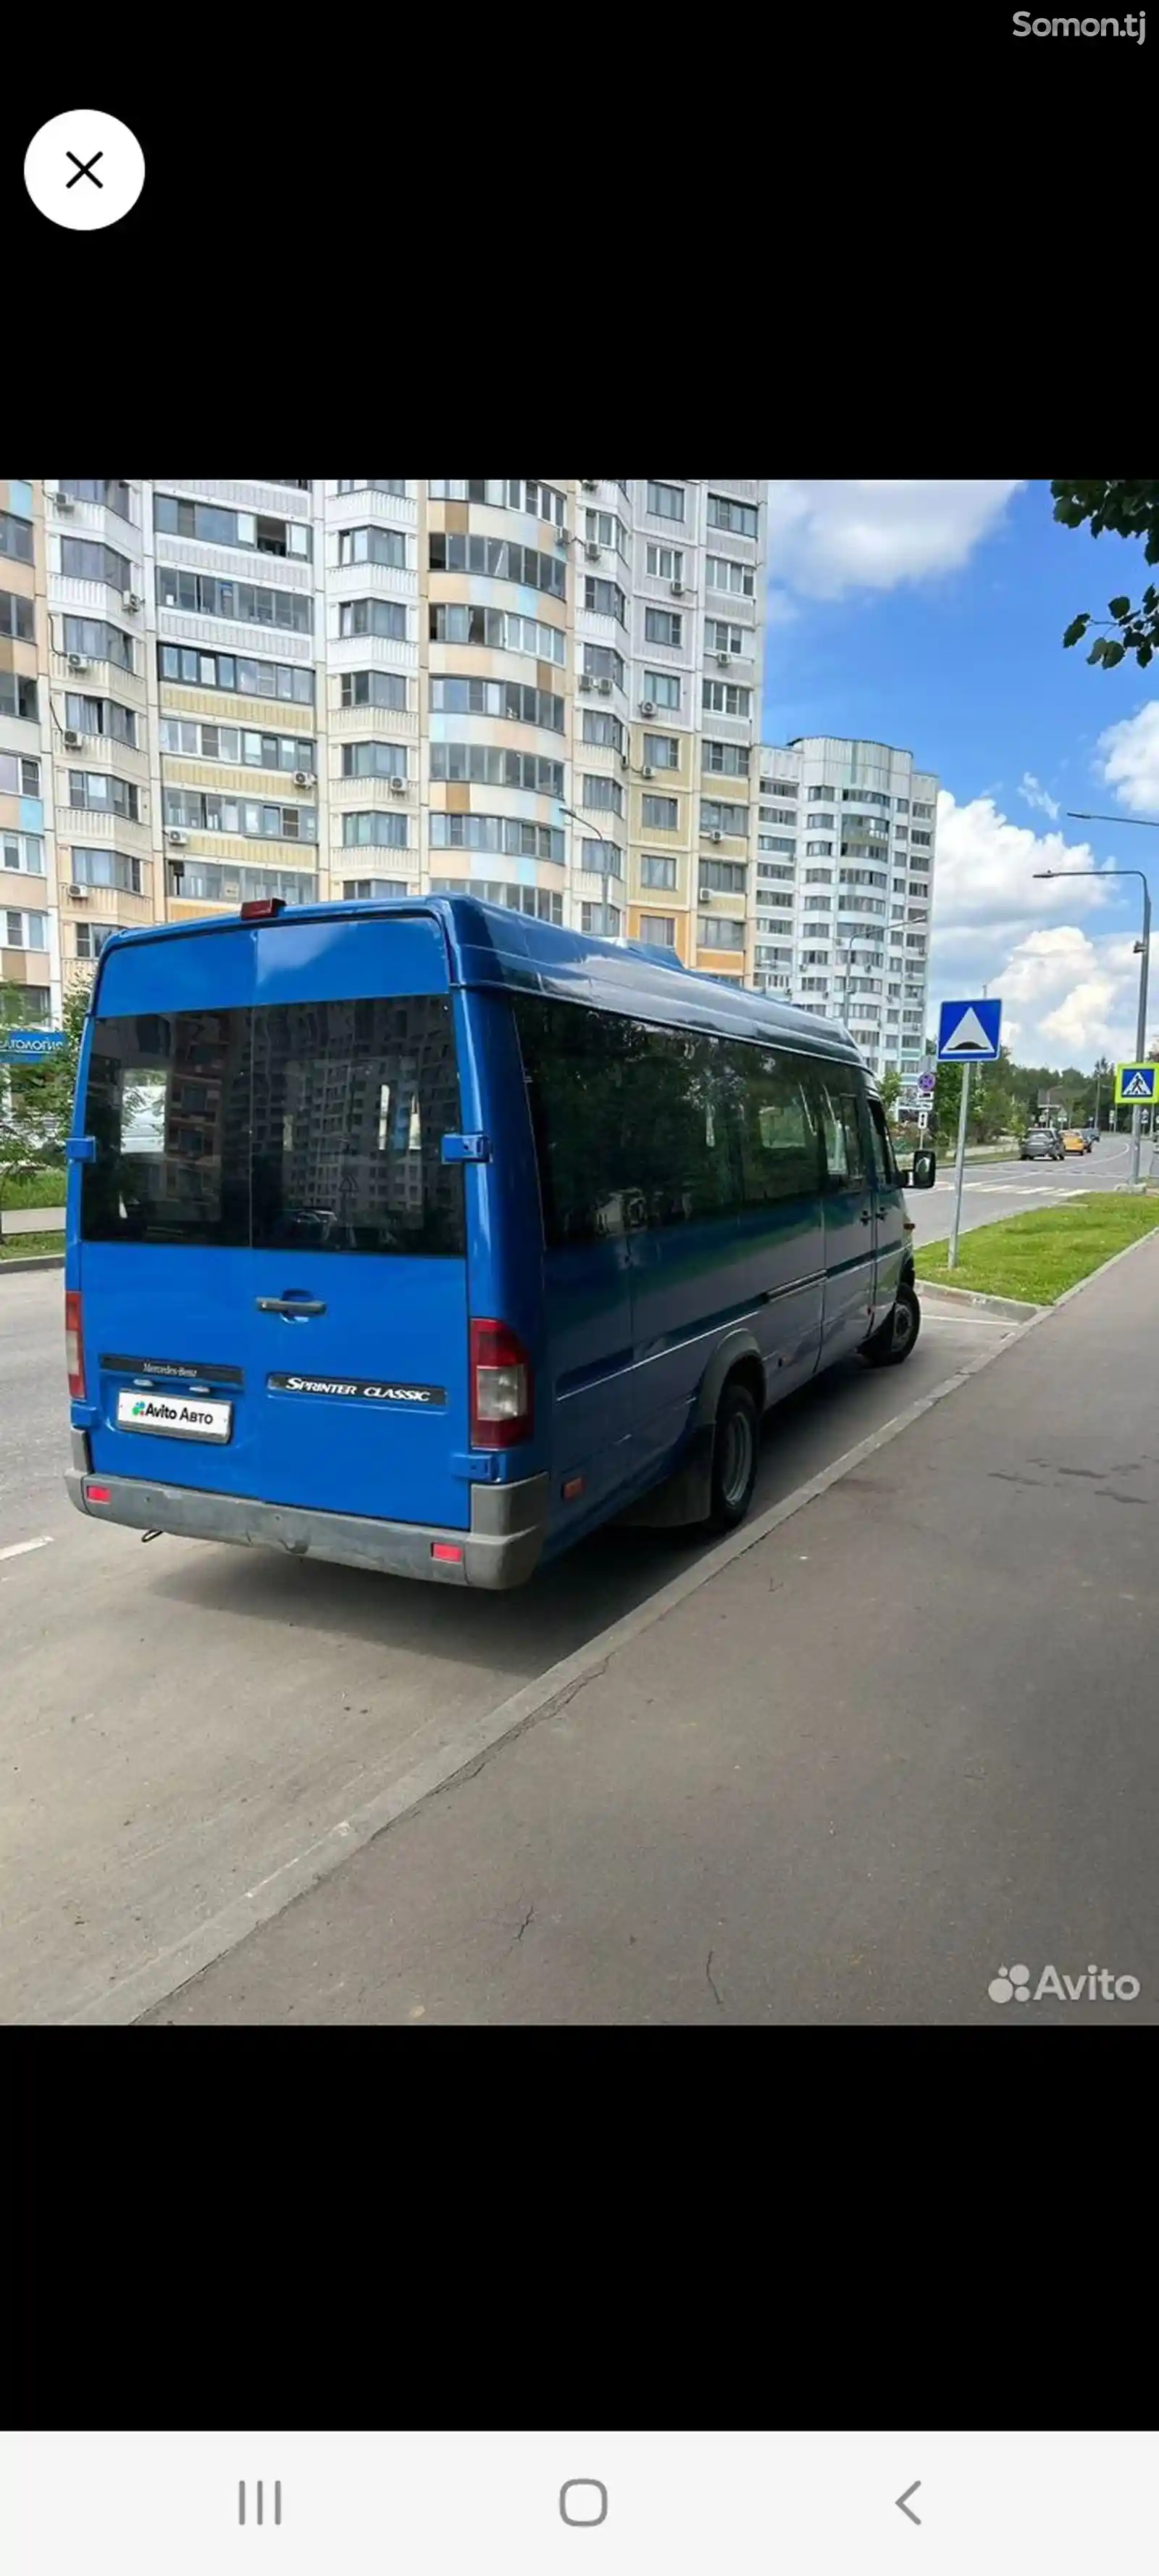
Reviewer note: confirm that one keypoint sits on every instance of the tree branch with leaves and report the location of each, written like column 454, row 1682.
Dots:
column 1127, row 510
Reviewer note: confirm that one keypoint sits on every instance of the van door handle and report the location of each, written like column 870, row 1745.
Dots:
column 291, row 1307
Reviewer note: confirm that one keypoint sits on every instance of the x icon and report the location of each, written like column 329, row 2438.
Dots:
column 84, row 169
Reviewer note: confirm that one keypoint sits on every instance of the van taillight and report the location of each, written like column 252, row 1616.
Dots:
column 73, row 1345
column 501, row 1393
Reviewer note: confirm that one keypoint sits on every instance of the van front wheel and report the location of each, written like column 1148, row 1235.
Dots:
column 734, row 1459
column 894, row 1340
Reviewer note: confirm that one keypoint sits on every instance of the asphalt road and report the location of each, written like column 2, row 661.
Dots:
column 994, row 1190
column 181, row 1723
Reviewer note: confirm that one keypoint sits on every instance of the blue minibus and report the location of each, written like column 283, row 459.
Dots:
column 423, row 1235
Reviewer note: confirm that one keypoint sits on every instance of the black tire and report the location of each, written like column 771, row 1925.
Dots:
column 894, row 1340
column 735, row 1457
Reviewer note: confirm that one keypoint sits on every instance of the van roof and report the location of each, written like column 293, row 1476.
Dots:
column 488, row 945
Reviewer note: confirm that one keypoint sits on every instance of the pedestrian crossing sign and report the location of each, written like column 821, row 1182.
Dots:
column 1135, row 1082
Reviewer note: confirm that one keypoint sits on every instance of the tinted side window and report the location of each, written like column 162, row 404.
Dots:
column 168, row 1104
column 884, row 1165
column 351, row 1101
column 632, row 1123
column 841, row 1127
column 780, row 1151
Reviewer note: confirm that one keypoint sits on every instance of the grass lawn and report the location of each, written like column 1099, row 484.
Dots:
column 18, row 1247
column 1039, row 1255
column 36, row 1189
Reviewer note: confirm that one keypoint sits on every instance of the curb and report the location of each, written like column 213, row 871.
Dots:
column 35, row 1261
column 1019, row 1307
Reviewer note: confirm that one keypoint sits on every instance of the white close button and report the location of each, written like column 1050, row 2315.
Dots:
column 84, row 169
column 583, row 2501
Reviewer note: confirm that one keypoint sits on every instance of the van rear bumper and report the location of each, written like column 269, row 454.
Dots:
column 501, row 1548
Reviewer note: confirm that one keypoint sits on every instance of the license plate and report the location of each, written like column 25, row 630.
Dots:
column 177, row 1417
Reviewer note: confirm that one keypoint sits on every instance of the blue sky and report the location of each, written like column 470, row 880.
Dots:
column 931, row 615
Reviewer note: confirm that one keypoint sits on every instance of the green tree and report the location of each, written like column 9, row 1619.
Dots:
column 1128, row 510
column 36, row 1100
column 890, row 1087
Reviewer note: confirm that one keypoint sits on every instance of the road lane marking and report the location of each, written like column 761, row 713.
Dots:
column 24, row 1547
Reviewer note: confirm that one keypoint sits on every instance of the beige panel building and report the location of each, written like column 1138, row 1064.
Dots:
column 29, row 947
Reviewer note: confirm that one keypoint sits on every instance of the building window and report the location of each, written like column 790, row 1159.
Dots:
column 374, row 545
column 779, row 787
column 380, row 830
column 104, row 868
column 721, row 636
column 503, row 832
column 98, row 642
column 600, row 725
column 26, row 929
column 101, row 716
column 90, row 939
column 605, row 598
column 715, row 817
column 398, row 490
column 488, row 765
column 926, row 812
column 721, row 573
column 925, row 838
column 499, row 558
column 663, row 687
column 719, row 934
column 237, row 672
column 85, row 560
column 821, row 795
column 863, row 796
column 196, row 811
column 16, row 617
column 902, row 804
column 726, row 759
column 203, row 881
column 721, row 698
column 537, row 500
column 378, row 689
column 204, row 595
column 23, row 853
column 776, row 841
column 665, row 563
column 458, row 623
column 510, row 699
column 374, row 889
column 109, row 496
column 373, row 617
column 603, row 528
column 18, row 697
column 658, row 872
column 772, row 869
column 236, row 744
column 600, row 858
column 663, row 626
column 818, row 903
column 659, row 813
column 737, row 516
column 602, row 662
column 100, row 793
column 665, row 500
column 602, row 792
column 16, row 541
column 600, row 920
column 818, row 876
column 532, row 900
column 662, row 750
column 901, row 831
column 19, row 774
column 374, row 760
column 214, row 526
column 658, row 929
column 778, row 814
column 723, row 876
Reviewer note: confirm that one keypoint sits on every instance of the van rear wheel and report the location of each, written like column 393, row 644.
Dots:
column 894, row 1340
column 734, row 1458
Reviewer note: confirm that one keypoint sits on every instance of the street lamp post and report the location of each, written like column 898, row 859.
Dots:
column 605, row 872
column 1143, row 948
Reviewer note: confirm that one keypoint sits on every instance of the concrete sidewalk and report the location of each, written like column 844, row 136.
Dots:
column 905, row 1742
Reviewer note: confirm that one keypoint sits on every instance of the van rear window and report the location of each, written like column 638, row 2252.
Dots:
column 299, row 1126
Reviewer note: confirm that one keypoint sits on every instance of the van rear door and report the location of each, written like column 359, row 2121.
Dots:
column 273, row 1250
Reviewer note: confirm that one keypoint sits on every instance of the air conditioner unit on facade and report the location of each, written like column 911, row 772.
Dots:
column 64, row 500
column 677, row 589
column 130, row 600
column 78, row 661
column 724, row 659
column 590, row 487
column 398, row 785
column 72, row 739
column 78, row 894
column 304, row 778
column 647, row 706
column 585, row 680
column 647, row 770
column 593, row 551
column 704, row 895
column 177, row 840
column 605, row 688
column 716, row 836
column 563, row 536
column 625, row 762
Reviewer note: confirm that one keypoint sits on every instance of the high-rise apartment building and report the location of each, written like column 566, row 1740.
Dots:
column 842, row 862
column 29, row 947
column 547, row 692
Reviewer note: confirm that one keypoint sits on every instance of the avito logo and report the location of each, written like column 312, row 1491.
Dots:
column 1094, row 1985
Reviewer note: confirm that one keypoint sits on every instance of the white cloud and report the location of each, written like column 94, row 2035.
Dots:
column 1033, row 792
column 1130, row 762
column 828, row 538
column 1068, row 994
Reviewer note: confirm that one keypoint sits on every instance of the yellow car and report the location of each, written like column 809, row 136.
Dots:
column 1074, row 1142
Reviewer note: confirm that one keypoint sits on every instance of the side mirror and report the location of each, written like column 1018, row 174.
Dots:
column 924, row 1169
